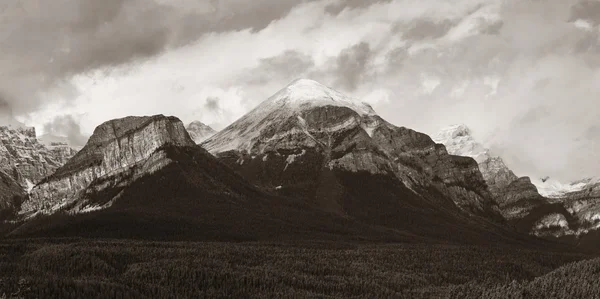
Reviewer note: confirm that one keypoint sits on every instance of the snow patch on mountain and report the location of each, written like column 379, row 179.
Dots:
column 459, row 141
column 554, row 189
column 289, row 102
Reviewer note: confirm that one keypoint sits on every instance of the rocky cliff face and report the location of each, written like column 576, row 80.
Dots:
column 25, row 159
column 519, row 198
column 515, row 196
column 459, row 141
column 118, row 151
column 544, row 207
column 199, row 131
column 11, row 196
column 292, row 142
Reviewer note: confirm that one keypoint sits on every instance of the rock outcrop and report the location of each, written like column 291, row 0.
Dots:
column 519, row 198
column 459, row 141
column 543, row 207
column 294, row 140
column 25, row 159
column 515, row 196
column 11, row 196
column 118, row 151
column 199, row 131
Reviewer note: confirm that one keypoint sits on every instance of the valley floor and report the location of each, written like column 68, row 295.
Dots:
column 81, row 268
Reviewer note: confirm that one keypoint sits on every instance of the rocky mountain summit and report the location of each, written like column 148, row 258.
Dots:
column 310, row 140
column 117, row 152
column 515, row 196
column 199, row 131
column 25, row 159
column 459, row 141
column 544, row 207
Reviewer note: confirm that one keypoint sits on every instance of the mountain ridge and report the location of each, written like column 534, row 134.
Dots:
column 311, row 124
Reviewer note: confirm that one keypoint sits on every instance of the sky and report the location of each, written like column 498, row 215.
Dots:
column 523, row 75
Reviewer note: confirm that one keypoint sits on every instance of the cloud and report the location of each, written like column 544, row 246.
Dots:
column 421, row 29
column 284, row 67
column 45, row 43
column 586, row 10
column 66, row 126
column 352, row 65
column 339, row 6
column 212, row 104
column 522, row 74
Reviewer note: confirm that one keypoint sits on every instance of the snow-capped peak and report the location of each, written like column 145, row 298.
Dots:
column 288, row 103
column 553, row 188
column 306, row 92
column 458, row 141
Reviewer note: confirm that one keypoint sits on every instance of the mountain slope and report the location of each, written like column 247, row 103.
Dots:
column 143, row 177
column 118, row 151
column 543, row 207
column 25, row 159
column 11, row 197
column 313, row 143
column 516, row 196
column 199, row 131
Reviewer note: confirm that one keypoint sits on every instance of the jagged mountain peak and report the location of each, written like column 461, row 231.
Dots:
column 118, row 151
column 553, row 188
column 308, row 129
column 198, row 125
column 120, row 127
column 309, row 93
column 454, row 131
column 199, row 131
column 25, row 159
column 300, row 104
column 459, row 141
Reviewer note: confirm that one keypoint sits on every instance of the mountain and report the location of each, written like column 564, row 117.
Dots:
column 459, row 141
column 11, row 197
column 515, row 196
column 59, row 146
column 199, row 131
column 118, row 151
column 553, row 188
column 25, row 159
column 543, row 207
column 143, row 177
column 336, row 173
column 311, row 142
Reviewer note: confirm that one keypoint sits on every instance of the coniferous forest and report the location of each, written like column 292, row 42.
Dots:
column 81, row 268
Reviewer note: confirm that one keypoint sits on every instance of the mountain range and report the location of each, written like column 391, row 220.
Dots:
column 543, row 207
column 308, row 162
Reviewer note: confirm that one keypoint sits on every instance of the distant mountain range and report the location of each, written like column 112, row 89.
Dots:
column 545, row 207
column 307, row 162
column 199, row 131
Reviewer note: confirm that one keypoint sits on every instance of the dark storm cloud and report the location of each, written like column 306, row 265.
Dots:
column 493, row 28
column 338, row 7
column 67, row 126
column 352, row 64
column 586, row 10
column 287, row 66
column 423, row 29
column 44, row 43
column 212, row 104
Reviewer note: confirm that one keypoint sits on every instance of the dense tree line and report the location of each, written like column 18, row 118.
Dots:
column 576, row 280
column 128, row 269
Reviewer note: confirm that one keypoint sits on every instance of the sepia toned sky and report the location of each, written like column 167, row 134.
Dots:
column 524, row 75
